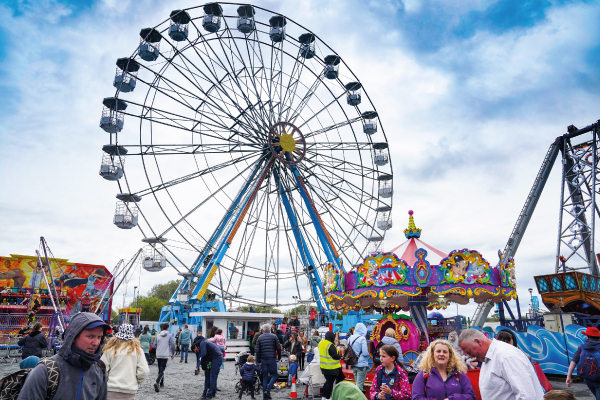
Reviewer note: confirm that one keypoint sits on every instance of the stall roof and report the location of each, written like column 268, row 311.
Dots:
column 235, row 315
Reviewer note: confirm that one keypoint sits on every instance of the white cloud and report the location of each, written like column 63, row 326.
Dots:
column 464, row 166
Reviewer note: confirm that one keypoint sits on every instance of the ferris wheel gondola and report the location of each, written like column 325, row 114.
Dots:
column 262, row 152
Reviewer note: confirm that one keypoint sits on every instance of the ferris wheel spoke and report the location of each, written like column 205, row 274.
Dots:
column 246, row 96
column 342, row 214
column 359, row 170
column 194, row 148
column 206, row 93
column 340, row 146
column 212, row 195
column 232, row 74
column 316, row 114
column 355, row 190
column 351, row 208
column 175, row 121
column 332, row 127
column 292, row 86
column 293, row 114
column 197, row 174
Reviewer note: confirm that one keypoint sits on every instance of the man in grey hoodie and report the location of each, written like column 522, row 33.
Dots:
column 80, row 375
column 165, row 348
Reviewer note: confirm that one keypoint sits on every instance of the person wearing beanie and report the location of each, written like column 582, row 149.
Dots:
column 329, row 361
column 126, row 364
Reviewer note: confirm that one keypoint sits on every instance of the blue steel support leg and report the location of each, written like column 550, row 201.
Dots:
column 217, row 233
column 324, row 237
column 231, row 230
column 307, row 260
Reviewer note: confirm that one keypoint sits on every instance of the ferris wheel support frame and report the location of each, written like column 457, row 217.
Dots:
column 185, row 284
column 307, row 260
column 226, row 239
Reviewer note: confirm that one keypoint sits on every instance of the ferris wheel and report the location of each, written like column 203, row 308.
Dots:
column 254, row 155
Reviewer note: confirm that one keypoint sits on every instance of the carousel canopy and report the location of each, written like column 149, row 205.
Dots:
column 406, row 251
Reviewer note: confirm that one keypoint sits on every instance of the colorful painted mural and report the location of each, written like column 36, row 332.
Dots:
column 553, row 350
column 23, row 286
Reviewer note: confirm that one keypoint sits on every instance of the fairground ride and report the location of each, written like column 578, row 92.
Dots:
column 567, row 289
column 254, row 157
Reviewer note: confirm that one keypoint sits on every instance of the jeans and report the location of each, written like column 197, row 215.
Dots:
column 360, row 374
column 198, row 359
column 215, row 366
column 223, row 350
column 330, row 381
column 269, row 369
column 162, row 365
column 249, row 385
column 184, row 349
column 594, row 387
column 301, row 358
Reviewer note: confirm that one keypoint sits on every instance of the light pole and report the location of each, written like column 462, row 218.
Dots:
column 531, row 298
column 136, row 299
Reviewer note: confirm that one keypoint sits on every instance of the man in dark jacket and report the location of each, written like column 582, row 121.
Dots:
column 295, row 322
column 210, row 352
column 34, row 343
column 268, row 351
column 80, row 375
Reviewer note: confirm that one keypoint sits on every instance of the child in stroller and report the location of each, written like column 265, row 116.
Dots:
column 250, row 380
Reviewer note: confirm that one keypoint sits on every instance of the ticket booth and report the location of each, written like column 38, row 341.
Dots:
column 130, row 316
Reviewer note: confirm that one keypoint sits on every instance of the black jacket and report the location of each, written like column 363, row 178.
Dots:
column 267, row 348
column 33, row 344
column 296, row 349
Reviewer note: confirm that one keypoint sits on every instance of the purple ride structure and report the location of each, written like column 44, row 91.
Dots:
column 255, row 158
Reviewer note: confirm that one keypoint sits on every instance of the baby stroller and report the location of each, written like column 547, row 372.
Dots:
column 240, row 359
column 283, row 366
column 151, row 355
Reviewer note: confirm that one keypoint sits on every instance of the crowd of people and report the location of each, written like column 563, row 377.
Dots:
column 96, row 361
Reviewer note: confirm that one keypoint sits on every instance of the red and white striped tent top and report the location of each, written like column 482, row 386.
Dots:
column 406, row 251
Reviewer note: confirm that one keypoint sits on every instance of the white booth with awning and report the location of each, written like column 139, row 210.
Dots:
column 236, row 326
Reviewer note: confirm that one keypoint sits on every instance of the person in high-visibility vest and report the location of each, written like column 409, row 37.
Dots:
column 330, row 364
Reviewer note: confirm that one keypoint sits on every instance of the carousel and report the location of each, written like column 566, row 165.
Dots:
column 420, row 279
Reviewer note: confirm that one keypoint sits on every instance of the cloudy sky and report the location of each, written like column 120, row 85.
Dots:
column 470, row 95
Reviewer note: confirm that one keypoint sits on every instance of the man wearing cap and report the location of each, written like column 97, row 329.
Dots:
column 590, row 347
column 80, row 375
column 506, row 373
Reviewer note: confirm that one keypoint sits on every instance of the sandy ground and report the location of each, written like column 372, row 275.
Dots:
column 181, row 383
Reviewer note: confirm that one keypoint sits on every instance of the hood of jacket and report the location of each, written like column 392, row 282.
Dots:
column 388, row 340
column 330, row 336
column 360, row 330
column 163, row 333
column 33, row 334
column 77, row 324
column 592, row 345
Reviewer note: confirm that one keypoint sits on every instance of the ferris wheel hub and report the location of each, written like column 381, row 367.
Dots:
column 287, row 143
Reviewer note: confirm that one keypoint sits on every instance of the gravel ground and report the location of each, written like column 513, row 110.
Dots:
column 181, row 383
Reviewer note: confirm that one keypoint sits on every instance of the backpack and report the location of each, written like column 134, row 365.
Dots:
column 376, row 356
column 11, row 385
column 350, row 357
column 587, row 367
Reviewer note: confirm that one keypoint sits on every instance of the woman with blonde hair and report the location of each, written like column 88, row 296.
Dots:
column 442, row 375
column 126, row 364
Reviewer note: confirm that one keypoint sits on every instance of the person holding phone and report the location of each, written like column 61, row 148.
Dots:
column 391, row 380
